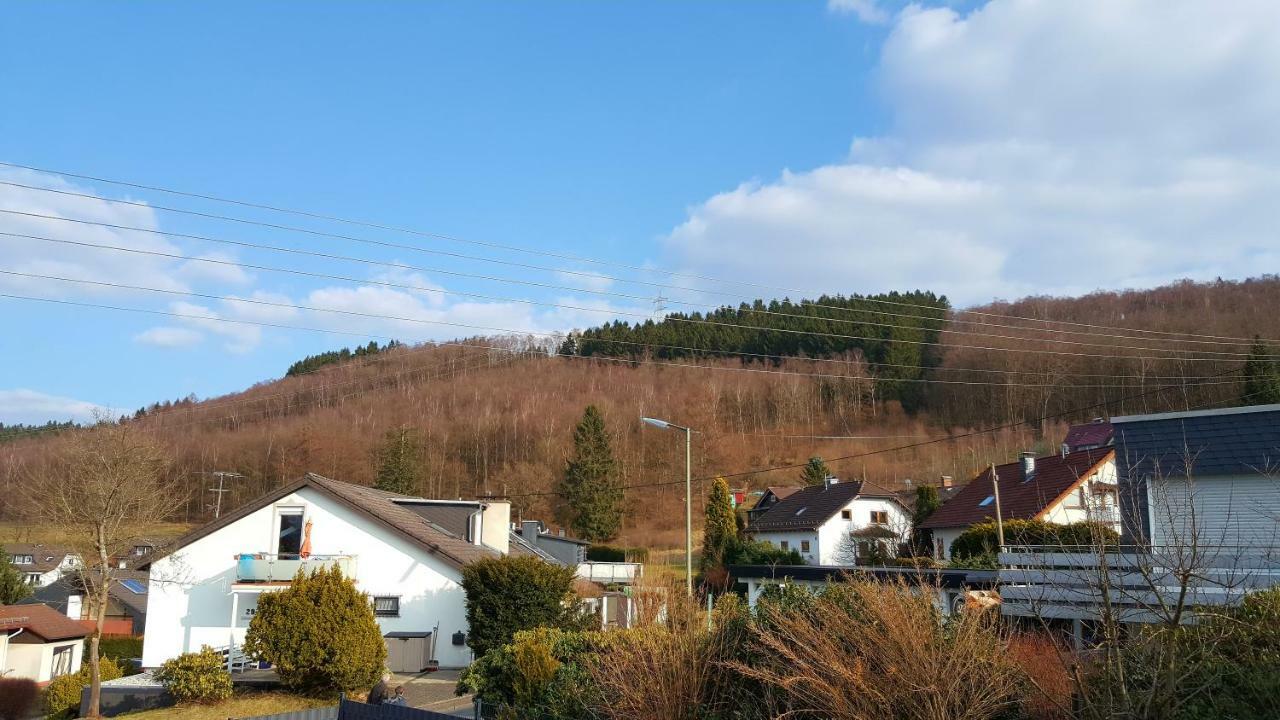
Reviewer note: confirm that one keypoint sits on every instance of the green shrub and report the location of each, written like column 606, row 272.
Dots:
column 199, row 677
column 17, row 697
column 508, row 594
column 542, row 672
column 62, row 696
column 744, row 551
column 319, row 633
column 606, row 553
column 981, row 539
column 119, row 648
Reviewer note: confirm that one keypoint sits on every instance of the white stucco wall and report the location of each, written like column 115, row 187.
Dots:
column 189, row 601
column 34, row 660
column 826, row 544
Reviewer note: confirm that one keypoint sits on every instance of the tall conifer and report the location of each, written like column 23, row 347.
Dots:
column 1261, row 375
column 591, row 496
column 400, row 462
column 721, row 526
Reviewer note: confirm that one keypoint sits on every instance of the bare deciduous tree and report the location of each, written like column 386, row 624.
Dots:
column 102, row 491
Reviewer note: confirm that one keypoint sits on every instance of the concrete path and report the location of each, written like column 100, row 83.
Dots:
column 434, row 691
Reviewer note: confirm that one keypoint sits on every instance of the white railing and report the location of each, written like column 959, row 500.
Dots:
column 269, row 567
column 234, row 659
column 610, row 572
column 1136, row 584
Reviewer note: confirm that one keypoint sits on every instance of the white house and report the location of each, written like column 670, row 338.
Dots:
column 835, row 523
column 1065, row 488
column 38, row 643
column 41, row 564
column 205, row 587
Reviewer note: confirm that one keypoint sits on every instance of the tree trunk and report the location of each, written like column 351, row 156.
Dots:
column 100, row 620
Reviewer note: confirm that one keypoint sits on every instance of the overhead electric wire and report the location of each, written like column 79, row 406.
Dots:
column 603, row 293
column 597, row 276
column 422, row 288
column 545, row 253
column 558, row 336
column 908, row 446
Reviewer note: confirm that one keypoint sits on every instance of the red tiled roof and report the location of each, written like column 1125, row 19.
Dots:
column 40, row 620
column 1054, row 476
column 1094, row 434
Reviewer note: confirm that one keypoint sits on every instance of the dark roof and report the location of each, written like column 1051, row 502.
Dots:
column 1094, row 434
column 407, row 634
column 43, row 557
column 808, row 508
column 1234, row 441
column 519, row 546
column 454, row 517
column 376, row 505
column 40, row 620
column 951, row 578
column 1055, row 476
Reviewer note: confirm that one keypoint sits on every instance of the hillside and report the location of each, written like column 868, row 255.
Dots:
column 497, row 416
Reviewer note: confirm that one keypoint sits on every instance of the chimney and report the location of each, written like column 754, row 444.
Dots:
column 530, row 529
column 1028, row 465
column 907, row 482
column 830, row 481
column 561, row 532
column 945, row 481
column 495, row 524
column 1065, row 449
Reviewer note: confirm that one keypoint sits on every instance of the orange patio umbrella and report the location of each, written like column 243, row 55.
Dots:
column 305, row 550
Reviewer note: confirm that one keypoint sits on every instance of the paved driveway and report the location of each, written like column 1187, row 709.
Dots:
column 434, row 691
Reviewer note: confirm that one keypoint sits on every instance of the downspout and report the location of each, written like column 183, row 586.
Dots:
column 4, row 659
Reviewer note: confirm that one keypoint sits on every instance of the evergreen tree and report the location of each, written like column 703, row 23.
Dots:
column 927, row 503
column 400, row 462
column 1261, row 375
column 815, row 472
column 721, row 526
column 13, row 586
column 591, row 496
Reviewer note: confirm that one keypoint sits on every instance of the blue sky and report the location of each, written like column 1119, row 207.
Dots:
column 847, row 146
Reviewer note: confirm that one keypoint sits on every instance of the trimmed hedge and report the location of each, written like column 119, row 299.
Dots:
column 981, row 539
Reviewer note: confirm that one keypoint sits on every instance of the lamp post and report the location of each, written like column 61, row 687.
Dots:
column 688, row 496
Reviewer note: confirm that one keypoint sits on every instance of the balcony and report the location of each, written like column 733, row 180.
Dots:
column 610, row 572
column 269, row 567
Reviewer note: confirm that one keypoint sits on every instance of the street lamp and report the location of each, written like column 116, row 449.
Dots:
column 688, row 497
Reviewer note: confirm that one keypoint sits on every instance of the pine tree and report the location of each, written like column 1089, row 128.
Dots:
column 591, row 496
column 815, row 472
column 1261, row 375
column 400, row 462
column 13, row 586
column 927, row 503
column 721, row 526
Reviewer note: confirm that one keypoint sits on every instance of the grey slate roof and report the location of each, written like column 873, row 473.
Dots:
column 810, row 507
column 1235, row 441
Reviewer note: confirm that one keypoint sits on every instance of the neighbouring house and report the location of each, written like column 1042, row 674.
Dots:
column 41, row 564
column 1208, row 477
column 566, row 550
column 126, row 600
column 205, row 586
column 768, row 499
column 38, row 643
column 836, row 523
column 1089, row 436
column 1062, row 489
column 951, row 589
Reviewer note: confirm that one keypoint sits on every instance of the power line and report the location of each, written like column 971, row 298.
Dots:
column 515, row 248
column 628, row 361
column 497, row 298
column 908, row 446
column 603, row 293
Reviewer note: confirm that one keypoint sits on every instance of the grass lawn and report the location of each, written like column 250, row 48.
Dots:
column 243, row 705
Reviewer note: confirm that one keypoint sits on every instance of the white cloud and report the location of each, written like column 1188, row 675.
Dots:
column 218, row 271
column 240, row 337
column 1034, row 147
column 29, row 406
column 868, row 11
column 169, row 337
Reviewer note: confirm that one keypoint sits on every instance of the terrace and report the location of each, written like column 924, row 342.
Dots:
column 276, row 568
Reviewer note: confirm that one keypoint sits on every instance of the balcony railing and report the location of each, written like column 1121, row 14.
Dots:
column 269, row 567
column 610, row 572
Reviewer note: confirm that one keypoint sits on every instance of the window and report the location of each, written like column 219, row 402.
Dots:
column 21, row 559
column 804, row 546
column 140, row 550
column 33, row 578
column 289, row 538
column 784, row 545
column 987, row 502
column 879, row 517
column 62, row 660
column 386, row 606
column 846, row 514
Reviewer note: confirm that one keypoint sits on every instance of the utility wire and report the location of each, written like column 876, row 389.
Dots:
column 497, row 298
column 531, row 251
column 557, row 336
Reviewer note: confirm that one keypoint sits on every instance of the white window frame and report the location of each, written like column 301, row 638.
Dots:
column 378, row 614
column 62, row 656
column 33, row 578
column 280, row 512
column 22, row 560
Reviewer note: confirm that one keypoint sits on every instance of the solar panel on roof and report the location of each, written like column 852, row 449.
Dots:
column 134, row 586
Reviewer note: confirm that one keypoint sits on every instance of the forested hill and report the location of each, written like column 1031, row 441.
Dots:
column 896, row 334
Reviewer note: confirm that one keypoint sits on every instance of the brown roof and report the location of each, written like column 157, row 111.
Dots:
column 809, row 507
column 377, row 505
column 1054, row 477
column 40, row 620
column 782, row 492
column 43, row 557
column 1089, row 435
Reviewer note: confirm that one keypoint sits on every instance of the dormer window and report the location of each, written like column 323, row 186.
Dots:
column 21, row 559
column 989, row 499
column 801, row 511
